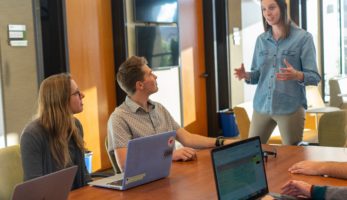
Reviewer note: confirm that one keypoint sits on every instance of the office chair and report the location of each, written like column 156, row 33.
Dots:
column 112, row 158
column 242, row 121
column 335, row 90
column 314, row 97
column 10, row 169
column 243, row 124
column 331, row 129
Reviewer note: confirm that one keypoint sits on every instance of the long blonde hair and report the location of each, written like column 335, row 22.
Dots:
column 55, row 116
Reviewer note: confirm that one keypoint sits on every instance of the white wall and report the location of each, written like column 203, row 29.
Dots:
column 251, row 27
column 235, row 50
column 169, row 92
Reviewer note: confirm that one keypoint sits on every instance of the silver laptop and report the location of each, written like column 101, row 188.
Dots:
column 240, row 173
column 148, row 159
column 54, row 186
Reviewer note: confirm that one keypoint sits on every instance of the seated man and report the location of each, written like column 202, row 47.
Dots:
column 138, row 116
column 303, row 189
column 333, row 169
column 319, row 168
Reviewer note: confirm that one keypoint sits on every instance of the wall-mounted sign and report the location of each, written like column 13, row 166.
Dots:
column 17, row 35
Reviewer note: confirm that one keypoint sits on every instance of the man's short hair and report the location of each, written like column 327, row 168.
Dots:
column 130, row 72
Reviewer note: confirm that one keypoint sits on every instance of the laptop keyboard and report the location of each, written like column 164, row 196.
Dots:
column 116, row 183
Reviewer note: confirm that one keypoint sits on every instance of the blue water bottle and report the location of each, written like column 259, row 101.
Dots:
column 228, row 123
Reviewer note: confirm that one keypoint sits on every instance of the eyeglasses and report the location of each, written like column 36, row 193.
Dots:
column 266, row 154
column 77, row 93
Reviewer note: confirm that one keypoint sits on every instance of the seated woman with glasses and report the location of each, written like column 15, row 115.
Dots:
column 54, row 139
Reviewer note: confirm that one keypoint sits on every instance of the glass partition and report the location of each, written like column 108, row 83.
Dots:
column 331, row 41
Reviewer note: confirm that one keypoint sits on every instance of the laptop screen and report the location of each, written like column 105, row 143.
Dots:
column 53, row 186
column 239, row 170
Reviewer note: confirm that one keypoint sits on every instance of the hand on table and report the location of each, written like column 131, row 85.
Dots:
column 297, row 188
column 184, row 154
column 306, row 167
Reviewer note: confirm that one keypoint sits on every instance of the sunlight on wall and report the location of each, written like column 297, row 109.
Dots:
column 2, row 127
column 190, row 98
column 90, row 122
column 2, row 141
column 12, row 139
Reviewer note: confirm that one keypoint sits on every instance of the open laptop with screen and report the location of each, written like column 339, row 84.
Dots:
column 148, row 159
column 239, row 171
column 54, row 186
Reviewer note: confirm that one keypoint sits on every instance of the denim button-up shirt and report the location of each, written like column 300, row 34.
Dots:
column 276, row 97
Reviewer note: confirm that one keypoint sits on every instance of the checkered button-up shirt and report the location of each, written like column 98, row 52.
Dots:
column 130, row 121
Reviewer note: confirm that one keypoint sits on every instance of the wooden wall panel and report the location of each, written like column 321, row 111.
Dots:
column 193, row 65
column 90, row 45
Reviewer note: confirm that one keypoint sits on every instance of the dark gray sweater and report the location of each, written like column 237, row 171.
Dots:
column 329, row 193
column 37, row 159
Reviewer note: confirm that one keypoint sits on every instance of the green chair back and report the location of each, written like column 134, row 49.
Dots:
column 331, row 129
column 334, row 91
column 11, row 170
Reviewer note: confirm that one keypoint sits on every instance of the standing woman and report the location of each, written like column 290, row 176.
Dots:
column 54, row 140
column 284, row 62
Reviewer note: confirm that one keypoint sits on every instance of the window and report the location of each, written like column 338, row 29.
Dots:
column 331, row 45
column 333, row 39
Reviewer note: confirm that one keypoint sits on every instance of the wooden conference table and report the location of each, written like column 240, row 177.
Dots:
column 195, row 179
